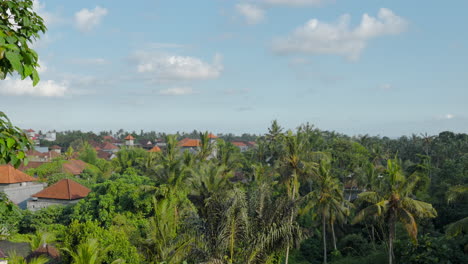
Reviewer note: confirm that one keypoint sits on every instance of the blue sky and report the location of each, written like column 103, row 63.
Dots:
column 369, row 66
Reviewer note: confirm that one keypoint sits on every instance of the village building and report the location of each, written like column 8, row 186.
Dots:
column 155, row 149
column 56, row 149
column 3, row 258
column 50, row 136
column 129, row 141
column 63, row 192
column 241, row 145
column 48, row 251
column 17, row 185
column 192, row 145
column 75, row 167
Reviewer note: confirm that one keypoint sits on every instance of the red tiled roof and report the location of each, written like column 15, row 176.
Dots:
column 65, row 189
column 129, row 137
column 210, row 135
column 155, row 149
column 74, row 167
column 109, row 146
column 8, row 175
column 55, row 147
column 108, row 138
column 103, row 155
column 33, row 152
column 239, row 144
column 188, row 142
column 31, row 165
column 30, row 130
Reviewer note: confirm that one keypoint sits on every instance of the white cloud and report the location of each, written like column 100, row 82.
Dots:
column 45, row 88
column 317, row 37
column 295, row 2
column 386, row 87
column 86, row 19
column 164, row 67
column 50, row 18
column 177, row 91
column 445, row 117
column 251, row 13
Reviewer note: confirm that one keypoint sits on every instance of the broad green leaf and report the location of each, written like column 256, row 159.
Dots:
column 15, row 61
column 10, row 142
column 35, row 77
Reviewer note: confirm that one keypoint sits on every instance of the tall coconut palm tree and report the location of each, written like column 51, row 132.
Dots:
column 394, row 203
column 328, row 202
column 297, row 163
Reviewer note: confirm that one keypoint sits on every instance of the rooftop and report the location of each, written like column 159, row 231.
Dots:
column 65, row 189
column 9, row 175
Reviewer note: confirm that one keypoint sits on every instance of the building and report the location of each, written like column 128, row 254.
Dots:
column 129, row 141
column 3, row 258
column 241, row 145
column 17, row 185
column 48, row 251
column 155, row 149
column 63, row 192
column 75, row 167
column 50, row 136
column 56, row 149
column 192, row 145
column 109, row 147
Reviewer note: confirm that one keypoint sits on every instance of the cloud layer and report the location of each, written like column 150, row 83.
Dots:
column 295, row 2
column 86, row 19
column 167, row 67
column 316, row 37
column 47, row 88
column 177, row 91
column 251, row 13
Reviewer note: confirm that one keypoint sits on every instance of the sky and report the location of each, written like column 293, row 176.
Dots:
column 375, row 67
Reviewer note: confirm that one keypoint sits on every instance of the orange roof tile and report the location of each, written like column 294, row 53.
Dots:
column 210, row 135
column 129, row 137
column 109, row 146
column 65, row 189
column 45, row 250
column 155, row 149
column 74, row 167
column 8, row 175
column 239, row 144
column 55, row 147
column 188, row 142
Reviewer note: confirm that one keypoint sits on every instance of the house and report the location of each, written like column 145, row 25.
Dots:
column 75, row 167
column 192, row 145
column 34, row 155
column 3, row 258
column 50, row 136
column 109, row 147
column 155, row 149
column 241, row 145
column 17, row 185
column 56, row 149
column 63, row 192
column 46, row 250
column 129, row 141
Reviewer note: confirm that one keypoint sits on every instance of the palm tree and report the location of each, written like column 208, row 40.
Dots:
column 40, row 238
column 89, row 252
column 297, row 163
column 394, row 203
column 15, row 259
column 206, row 147
column 328, row 201
column 460, row 226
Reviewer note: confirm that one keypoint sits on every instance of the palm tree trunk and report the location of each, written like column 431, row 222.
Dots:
column 391, row 236
column 333, row 234
column 324, row 235
column 290, row 221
